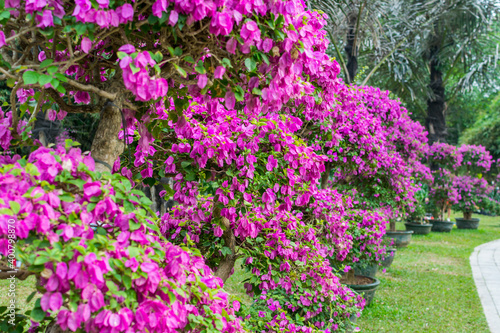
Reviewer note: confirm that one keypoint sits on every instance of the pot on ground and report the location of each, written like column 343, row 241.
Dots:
column 350, row 325
column 467, row 224
column 369, row 270
column 389, row 257
column 365, row 286
column 401, row 238
column 442, row 226
column 418, row 229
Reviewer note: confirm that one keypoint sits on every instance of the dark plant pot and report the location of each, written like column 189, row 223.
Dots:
column 367, row 290
column 419, row 229
column 467, row 224
column 350, row 325
column 389, row 257
column 442, row 226
column 401, row 238
column 369, row 270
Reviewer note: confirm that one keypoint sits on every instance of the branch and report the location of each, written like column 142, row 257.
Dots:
column 19, row 274
column 72, row 108
column 85, row 87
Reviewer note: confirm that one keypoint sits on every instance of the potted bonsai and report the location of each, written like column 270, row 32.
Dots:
column 416, row 219
column 470, row 184
column 445, row 160
column 473, row 194
column 442, row 194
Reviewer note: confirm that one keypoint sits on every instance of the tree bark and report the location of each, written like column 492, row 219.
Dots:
column 351, row 50
column 436, row 106
column 106, row 146
column 392, row 225
column 326, row 175
column 227, row 263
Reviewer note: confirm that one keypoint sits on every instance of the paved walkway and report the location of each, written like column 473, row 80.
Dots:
column 485, row 263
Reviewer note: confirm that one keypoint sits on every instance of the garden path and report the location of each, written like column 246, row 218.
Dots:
column 485, row 263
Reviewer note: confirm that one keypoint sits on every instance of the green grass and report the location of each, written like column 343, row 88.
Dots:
column 429, row 287
column 23, row 290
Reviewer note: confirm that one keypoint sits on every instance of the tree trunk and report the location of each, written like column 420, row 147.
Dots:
column 467, row 215
column 326, row 175
column 350, row 277
column 392, row 225
column 436, row 106
column 226, row 265
column 351, row 50
column 106, row 146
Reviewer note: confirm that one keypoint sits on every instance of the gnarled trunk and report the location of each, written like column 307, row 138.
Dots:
column 106, row 146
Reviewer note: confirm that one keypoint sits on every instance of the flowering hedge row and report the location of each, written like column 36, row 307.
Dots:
column 275, row 162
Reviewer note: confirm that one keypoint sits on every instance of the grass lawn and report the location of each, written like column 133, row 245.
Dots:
column 429, row 287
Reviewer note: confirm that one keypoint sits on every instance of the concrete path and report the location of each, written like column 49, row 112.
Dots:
column 485, row 263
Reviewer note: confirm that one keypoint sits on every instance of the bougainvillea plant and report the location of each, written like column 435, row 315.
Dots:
column 101, row 263
column 473, row 194
column 239, row 104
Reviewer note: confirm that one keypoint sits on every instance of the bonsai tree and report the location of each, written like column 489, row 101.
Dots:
column 473, row 194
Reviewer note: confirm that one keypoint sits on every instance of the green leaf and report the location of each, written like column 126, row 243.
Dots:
column 134, row 68
column 256, row 91
column 199, row 68
column 127, row 281
column 226, row 63
column 30, row 77
column 250, row 64
column 61, row 89
column 189, row 59
column 37, row 314
column 15, row 206
column 111, row 286
column 44, row 79
column 41, row 260
column 185, row 164
column 121, row 55
column 11, row 82
column 239, row 93
column 52, row 69
column 181, row 71
column 133, row 251
column 158, row 56
column 30, row 297
column 61, row 77
column 46, row 63
column 178, row 51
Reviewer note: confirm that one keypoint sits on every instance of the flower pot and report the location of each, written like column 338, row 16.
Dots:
column 369, row 270
column 442, row 226
column 401, row 238
column 467, row 224
column 350, row 325
column 366, row 286
column 389, row 257
column 419, row 229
